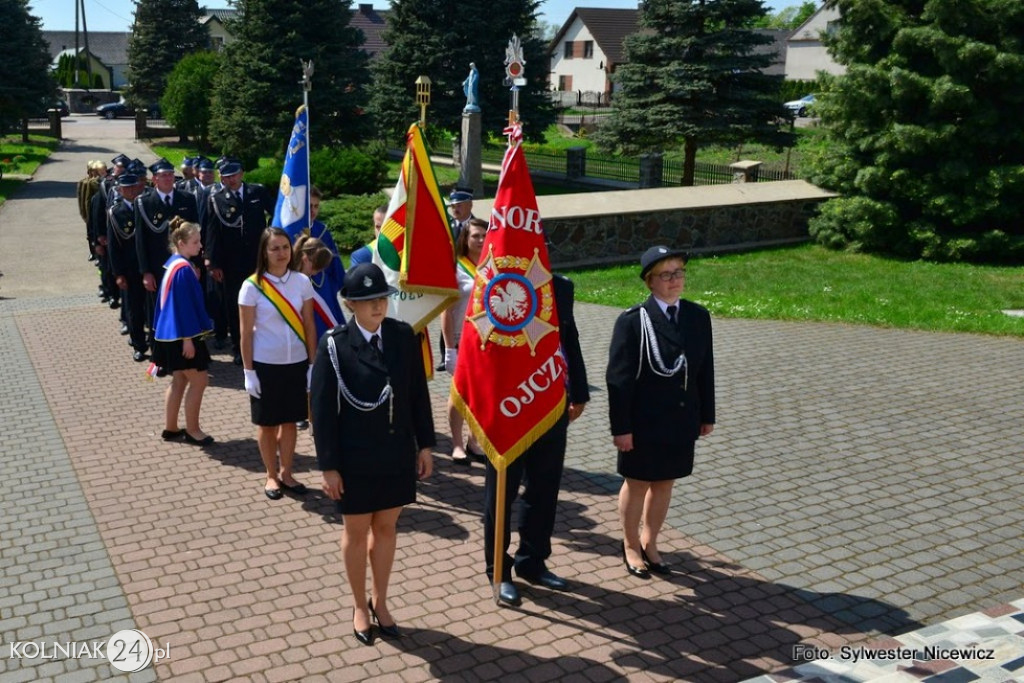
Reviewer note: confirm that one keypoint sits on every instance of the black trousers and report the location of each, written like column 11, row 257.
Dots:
column 232, row 285
column 539, row 469
column 133, row 308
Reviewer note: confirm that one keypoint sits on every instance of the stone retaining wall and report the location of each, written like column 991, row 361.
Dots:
column 616, row 227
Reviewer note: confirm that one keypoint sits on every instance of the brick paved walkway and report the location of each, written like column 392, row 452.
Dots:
column 861, row 482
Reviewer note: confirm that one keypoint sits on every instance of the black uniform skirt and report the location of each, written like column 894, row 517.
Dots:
column 282, row 394
column 167, row 356
column 656, row 461
column 370, row 494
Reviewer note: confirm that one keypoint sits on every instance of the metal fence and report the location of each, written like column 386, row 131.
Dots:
column 627, row 169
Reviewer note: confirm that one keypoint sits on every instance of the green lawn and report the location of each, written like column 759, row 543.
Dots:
column 813, row 283
column 17, row 157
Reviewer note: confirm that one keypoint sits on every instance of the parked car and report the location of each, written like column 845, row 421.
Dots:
column 112, row 110
column 61, row 106
column 800, row 107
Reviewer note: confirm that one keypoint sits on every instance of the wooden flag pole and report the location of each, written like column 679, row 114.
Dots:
column 499, row 530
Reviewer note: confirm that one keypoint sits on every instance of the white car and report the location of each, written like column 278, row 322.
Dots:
column 800, row 107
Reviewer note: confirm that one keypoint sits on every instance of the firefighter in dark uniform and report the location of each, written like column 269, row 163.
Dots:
column 124, row 263
column 96, row 229
column 188, row 182
column 540, row 467
column 154, row 210
column 234, row 219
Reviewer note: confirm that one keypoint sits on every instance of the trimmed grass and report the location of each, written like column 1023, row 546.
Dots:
column 20, row 158
column 814, row 284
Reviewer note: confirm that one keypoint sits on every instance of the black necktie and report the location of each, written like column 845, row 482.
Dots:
column 375, row 343
column 167, row 200
column 671, row 313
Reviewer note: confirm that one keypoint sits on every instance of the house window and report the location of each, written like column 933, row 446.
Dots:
column 567, row 49
column 565, row 83
column 588, row 49
column 831, row 28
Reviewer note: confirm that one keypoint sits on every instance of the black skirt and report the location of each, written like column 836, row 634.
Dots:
column 656, row 461
column 282, row 394
column 167, row 356
column 370, row 494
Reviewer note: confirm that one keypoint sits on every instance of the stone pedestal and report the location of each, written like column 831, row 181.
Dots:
column 745, row 171
column 470, row 164
column 651, row 170
column 575, row 162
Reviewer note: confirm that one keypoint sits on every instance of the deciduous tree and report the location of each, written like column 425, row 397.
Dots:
column 693, row 75
column 186, row 101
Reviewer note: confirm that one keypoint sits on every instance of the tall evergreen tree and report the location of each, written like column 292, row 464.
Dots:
column 692, row 75
column 26, row 82
column 258, row 87
column 163, row 32
column 440, row 39
column 925, row 133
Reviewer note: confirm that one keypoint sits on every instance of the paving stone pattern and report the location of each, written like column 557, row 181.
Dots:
column 861, row 483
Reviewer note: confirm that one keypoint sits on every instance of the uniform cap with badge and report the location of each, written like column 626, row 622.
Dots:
column 366, row 281
column 656, row 255
column 230, row 167
column 460, row 195
column 161, row 166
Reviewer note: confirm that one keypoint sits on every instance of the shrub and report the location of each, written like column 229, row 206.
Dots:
column 267, row 174
column 350, row 218
column 348, row 170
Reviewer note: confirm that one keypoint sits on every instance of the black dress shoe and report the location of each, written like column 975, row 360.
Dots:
column 638, row 572
column 115, row 304
column 278, row 494
column 168, row 435
column 508, row 594
column 205, row 441
column 138, row 356
column 546, row 579
column 364, row 637
column 297, row 488
column 656, row 567
column 124, row 330
column 386, row 631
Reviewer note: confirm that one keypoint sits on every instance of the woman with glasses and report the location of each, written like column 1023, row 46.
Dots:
column 661, row 399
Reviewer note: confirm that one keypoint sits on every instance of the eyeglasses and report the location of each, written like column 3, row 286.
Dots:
column 673, row 275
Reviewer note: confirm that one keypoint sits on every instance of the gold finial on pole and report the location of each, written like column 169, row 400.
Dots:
column 423, row 98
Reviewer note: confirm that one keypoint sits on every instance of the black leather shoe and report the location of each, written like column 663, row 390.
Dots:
column 656, row 567
column 508, row 594
column 115, row 304
column 138, row 356
column 391, row 631
column 278, row 494
column 297, row 488
column 168, row 435
column 205, row 441
column 546, row 579
column 638, row 572
column 124, row 330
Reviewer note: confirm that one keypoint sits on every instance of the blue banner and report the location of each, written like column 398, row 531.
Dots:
column 292, row 210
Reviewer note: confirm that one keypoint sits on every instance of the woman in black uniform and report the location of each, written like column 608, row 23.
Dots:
column 661, row 399
column 373, row 431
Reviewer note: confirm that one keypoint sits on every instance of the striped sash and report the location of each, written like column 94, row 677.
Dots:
column 283, row 306
column 467, row 266
column 172, row 270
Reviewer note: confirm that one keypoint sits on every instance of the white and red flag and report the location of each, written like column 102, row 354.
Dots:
column 510, row 377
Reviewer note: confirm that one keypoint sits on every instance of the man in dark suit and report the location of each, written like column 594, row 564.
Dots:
column 188, row 182
column 154, row 210
column 541, row 468
column 124, row 262
column 234, row 219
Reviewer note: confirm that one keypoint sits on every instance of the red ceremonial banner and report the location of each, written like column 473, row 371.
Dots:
column 510, row 376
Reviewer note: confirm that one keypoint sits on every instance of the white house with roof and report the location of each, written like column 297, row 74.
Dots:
column 805, row 53
column 586, row 50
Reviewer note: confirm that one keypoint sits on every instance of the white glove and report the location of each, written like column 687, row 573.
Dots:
column 252, row 383
column 309, row 378
column 450, row 355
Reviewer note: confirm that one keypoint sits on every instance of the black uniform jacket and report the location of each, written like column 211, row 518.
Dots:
column 569, row 337
column 121, row 235
column 232, row 228
column 651, row 407
column 152, row 216
column 352, row 441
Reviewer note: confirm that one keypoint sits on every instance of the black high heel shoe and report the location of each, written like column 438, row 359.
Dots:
column 638, row 572
column 386, row 631
column 656, row 567
column 364, row 637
